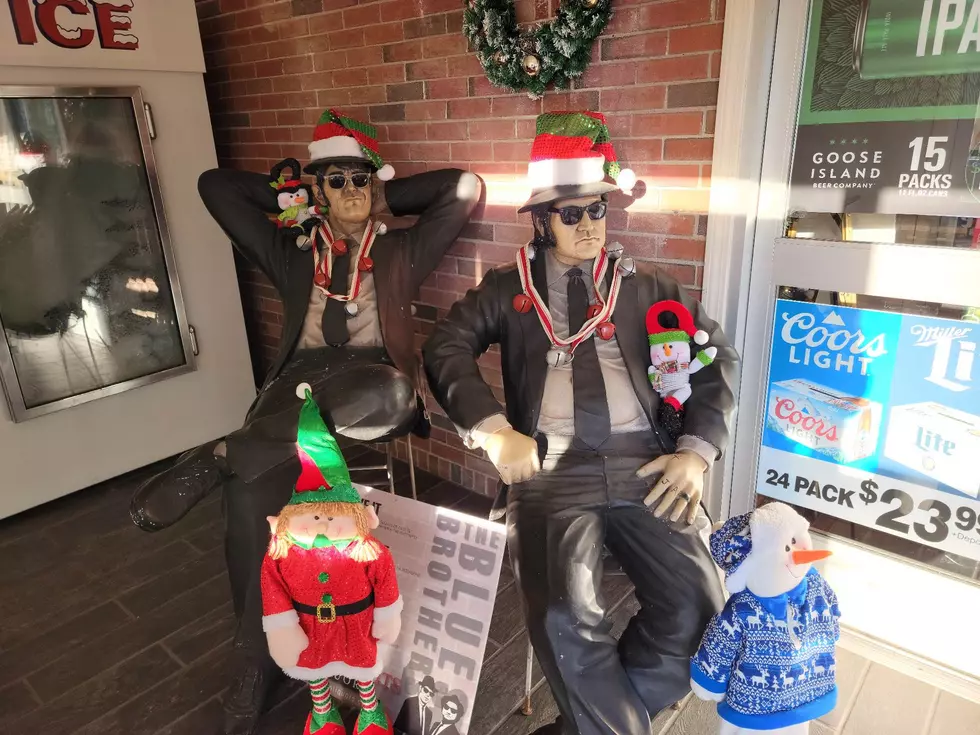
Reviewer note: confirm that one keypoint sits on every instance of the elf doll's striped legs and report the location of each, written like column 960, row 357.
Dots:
column 325, row 717
column 372, row 719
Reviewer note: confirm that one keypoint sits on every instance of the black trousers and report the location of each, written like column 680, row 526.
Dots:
column 558, row 523
column 361, row 396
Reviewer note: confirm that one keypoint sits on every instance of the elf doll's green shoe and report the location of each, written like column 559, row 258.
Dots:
column 373, row 722
column 328, row 723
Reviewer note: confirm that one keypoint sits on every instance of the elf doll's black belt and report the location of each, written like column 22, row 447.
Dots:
column 327, row 612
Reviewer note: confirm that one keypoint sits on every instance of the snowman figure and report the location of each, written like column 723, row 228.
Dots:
column 293, row 199
column 767, row 557
column 671, row 331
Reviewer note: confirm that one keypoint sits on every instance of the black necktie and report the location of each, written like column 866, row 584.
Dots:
column 334, row 323
column 592, row 423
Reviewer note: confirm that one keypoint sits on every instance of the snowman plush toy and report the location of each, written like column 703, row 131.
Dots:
column 671, row 333
column 293, row 199
column 768, row 657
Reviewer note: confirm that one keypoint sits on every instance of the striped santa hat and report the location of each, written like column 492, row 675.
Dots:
column 341, row 139
column 572, row 156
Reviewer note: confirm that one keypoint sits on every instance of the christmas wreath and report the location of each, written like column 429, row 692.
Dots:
column 550, row 54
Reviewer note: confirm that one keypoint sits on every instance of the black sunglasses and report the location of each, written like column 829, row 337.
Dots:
column 573, row 215
column 338, row 181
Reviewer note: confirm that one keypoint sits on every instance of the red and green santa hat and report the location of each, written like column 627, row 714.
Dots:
column 671, row 321
column 325, row 477
column 572, row 156
column 341, row 139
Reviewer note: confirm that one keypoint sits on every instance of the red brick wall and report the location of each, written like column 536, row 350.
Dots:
column 274, row 65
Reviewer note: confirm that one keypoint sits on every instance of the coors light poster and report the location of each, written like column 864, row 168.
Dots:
column 874, row 417
column 448, row 565
column 888, row 110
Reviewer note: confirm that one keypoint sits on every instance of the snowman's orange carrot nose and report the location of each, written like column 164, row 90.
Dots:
column 667, row 350
column 810, row 556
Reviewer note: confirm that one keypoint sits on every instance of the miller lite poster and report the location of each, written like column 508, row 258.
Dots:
column 874, row 417
column 448, row 564
column 888, row 110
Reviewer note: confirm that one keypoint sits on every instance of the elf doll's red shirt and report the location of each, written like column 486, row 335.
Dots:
column 329, row 572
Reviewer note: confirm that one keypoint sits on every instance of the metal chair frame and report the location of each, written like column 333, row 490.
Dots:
column 389, row 466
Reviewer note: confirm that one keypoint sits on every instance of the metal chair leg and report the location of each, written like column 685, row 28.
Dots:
column 390, row 448
column 411, row 468
column 527, row 709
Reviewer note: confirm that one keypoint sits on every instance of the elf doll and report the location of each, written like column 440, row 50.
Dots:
column 330, row 597
column 672, row 331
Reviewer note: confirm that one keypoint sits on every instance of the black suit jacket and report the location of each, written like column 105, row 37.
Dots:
column 486, row 316
column 403, row 258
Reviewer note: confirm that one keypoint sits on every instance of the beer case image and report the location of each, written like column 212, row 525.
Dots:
column 842, row 427
column 937, row 441
column 906, row 38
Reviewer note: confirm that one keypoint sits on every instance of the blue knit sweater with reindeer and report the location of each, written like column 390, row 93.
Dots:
column 772, row 657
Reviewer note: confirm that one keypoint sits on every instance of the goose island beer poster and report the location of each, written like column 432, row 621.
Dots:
column 448, row 564
column 874, row 417
column 888, row 110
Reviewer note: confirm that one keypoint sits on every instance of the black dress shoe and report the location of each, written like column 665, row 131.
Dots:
column 167, row 497
column 247, row 697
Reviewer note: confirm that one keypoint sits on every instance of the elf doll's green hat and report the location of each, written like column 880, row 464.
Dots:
column 325, row 477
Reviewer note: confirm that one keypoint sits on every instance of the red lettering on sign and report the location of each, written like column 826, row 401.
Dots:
column 20, row 11
column 114, row 29
column 47, row 23
column 112, row 22
column 786, row 410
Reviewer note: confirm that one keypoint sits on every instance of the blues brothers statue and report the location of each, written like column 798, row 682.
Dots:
column 587, row 461
column 347, row 285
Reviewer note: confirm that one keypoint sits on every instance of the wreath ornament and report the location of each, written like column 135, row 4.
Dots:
column 552, row 53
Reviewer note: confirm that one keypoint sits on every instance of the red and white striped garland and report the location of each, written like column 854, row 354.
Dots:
column 367, row 241
column 604, row 314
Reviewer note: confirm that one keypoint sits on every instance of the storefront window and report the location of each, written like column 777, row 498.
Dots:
column 872, row 424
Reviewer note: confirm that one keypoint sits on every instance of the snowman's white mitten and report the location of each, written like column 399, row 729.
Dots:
column 701, row 693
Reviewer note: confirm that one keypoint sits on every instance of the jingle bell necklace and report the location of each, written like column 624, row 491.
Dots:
column 323, row 267
column 598, row 317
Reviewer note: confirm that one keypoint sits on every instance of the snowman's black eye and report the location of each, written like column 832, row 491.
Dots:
column 793, row 541
column 330, row 519
column 787, row 548
column 316, row 518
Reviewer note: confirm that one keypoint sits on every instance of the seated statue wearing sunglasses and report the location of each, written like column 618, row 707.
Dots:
column 580, row 445
column 347, row 291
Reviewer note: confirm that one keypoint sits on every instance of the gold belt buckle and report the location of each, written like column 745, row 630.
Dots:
column 330, row 608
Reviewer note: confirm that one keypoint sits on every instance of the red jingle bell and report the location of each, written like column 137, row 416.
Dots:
column 606, row 330
column 339, row 247
column 522, row 303
column 321, row 279
column 593, row 311
column 366, row 265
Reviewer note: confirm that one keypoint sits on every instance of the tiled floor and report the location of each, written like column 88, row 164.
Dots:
column 105, row 630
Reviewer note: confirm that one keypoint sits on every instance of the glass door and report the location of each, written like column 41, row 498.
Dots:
column 860, row 401
column 89, row 300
